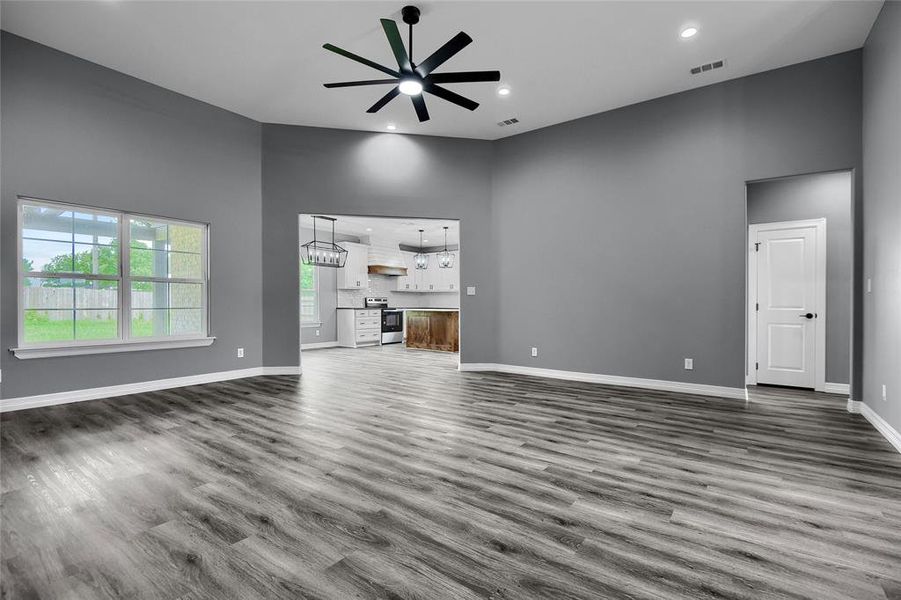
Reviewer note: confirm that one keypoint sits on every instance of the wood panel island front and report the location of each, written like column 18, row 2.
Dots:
column 433, row 329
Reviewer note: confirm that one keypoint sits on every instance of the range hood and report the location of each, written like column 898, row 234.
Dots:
column 384, row 257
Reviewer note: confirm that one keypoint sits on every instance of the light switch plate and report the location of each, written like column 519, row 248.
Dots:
column 869, row 285
column 471, row 290
column 534, row 351
column 689, row 364
column 240, row 352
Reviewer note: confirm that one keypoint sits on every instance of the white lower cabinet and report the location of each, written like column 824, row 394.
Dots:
column 359, row 327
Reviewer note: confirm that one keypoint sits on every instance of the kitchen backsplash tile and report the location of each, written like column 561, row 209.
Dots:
column 383, row 286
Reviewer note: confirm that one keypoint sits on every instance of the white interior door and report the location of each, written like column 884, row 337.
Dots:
column 787, row 305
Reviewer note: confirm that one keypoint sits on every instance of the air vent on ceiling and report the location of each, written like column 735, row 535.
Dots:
column 717, row 64
column 506, row 122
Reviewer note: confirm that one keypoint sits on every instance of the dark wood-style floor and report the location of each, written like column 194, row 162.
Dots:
column 385, row 473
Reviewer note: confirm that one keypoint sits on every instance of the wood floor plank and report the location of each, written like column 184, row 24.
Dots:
column 354, row 482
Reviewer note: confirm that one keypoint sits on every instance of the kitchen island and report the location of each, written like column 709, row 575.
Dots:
column 433, row 329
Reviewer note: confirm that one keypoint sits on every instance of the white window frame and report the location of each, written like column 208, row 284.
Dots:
column 124, row 342
column 316, row 320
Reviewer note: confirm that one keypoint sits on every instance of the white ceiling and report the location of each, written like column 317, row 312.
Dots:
column 562, row 60
column 397, row 230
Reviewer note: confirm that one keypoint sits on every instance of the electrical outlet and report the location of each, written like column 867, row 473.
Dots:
column 884, row 395
column 240, row 352
column 689, row 364
column 471, row 290
column 534, row 351
column 317, row 333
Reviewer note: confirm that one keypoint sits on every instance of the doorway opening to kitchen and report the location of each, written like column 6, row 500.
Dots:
column 378, row 290
column 801, row 264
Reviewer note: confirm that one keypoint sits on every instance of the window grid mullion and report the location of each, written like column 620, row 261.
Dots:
column 125, row 285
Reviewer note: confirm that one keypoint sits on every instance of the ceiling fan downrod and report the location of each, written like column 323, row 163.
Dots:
column 410, row 16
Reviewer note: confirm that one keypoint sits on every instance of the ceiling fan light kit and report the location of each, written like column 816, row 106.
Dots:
column 413, row 79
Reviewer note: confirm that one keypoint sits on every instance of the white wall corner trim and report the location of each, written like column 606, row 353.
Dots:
column 700, row 389
column 880, row 424
column 23, row 402
column 318, row 345
column 838, row 388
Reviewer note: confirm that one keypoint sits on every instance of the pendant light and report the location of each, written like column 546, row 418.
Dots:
column 421, row 260
column 445, row 259
column 323, row 254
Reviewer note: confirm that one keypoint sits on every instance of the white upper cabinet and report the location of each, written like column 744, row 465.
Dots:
column 448, row 279
column 432, row 279
column 407, row 283
column 355, row 273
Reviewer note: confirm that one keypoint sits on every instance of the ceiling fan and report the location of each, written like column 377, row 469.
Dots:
column 412, row 79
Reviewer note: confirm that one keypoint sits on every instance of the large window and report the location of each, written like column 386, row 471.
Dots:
column 309, row 295
column 94, row 277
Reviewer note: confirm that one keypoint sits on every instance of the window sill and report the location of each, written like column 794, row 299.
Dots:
column 310, row 325
column 107, row 348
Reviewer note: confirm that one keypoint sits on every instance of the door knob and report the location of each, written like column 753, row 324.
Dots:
column 807, row 316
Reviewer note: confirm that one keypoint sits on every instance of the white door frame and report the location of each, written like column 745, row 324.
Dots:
column 819, row 322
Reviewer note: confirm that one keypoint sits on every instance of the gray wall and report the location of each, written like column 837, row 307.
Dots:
column 628, row 225
column 633, row 221
column 313, row 170
column 328, row 302
column 77, row 132
column 882, row 255
column 815, row 196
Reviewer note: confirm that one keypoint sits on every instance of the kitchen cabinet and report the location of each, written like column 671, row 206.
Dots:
column 354, row 275
column 359, row 327
column 433, row 329
column 448, row 279
column 433, row 279
column 407, row 283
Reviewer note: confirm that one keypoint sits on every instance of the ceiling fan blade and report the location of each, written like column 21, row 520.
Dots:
column 446, row 94
column 362, row 60
column 356, row 83
column 397, row 45
column 439, row 56
column 419, row 104
column 465, row 77
column 384, row 100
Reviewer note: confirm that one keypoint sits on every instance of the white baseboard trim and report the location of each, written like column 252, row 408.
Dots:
column 651, row 384
column 280, row 371
column 317, row 345
column 837, row 388
column 110, row 391
column 880, row 424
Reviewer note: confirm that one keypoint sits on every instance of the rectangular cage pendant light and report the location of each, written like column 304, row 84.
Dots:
column 323, row 254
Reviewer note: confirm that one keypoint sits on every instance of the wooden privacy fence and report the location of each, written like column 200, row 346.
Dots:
column 58, row 301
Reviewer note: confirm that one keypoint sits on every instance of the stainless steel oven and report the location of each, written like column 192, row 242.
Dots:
column 392, row 320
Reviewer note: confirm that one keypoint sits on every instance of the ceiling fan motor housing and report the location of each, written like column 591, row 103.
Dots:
column 410, row 15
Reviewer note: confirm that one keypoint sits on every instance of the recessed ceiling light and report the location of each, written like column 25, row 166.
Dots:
column 425, row 240
column 369, row 229
column 391, row 127
column 503, row 90
column 688, row 32
column 410, row 87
